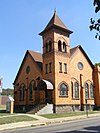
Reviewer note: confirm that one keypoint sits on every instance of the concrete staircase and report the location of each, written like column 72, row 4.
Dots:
column 47, row 109
column 43, row 108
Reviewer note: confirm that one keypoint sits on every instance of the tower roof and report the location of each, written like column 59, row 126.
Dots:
column 57, row 23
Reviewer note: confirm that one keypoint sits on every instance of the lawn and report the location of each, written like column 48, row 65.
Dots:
column 68, row 114
column 13, row 119
column 4, row 114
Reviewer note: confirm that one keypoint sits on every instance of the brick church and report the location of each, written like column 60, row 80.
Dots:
column 60, row 79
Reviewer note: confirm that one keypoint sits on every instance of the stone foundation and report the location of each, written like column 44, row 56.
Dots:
column 23, row 108
column 57, row 108
column 72, row 108
column 96, row 107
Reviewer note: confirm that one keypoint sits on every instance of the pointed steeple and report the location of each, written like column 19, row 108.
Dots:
column 56, row 22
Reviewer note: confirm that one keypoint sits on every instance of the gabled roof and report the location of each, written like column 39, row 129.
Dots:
column 56, row 22
column 73, row 50
column 37, row 57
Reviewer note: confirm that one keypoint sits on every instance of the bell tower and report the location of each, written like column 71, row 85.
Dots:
column 56, row 53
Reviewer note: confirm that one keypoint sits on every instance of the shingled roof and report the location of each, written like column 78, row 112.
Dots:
column 56, row 22
column 73, row 50
column 37, row 57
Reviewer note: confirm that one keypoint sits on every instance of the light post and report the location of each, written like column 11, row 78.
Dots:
column 81, row 93
column 86, row 108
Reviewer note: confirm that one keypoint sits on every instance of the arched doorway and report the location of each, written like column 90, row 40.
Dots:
column 45, row 90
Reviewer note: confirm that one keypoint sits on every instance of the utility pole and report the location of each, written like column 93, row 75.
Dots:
column 86, row 108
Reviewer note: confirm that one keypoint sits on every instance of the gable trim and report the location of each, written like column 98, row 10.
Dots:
column 84, row 53
column 27, row 52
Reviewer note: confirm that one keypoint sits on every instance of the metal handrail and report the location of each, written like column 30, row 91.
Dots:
column 40, row 103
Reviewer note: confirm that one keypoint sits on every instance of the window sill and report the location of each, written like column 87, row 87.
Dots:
column 62, row 51
column 89, row 99
column 75, row 98
column 60, row 72
column 63, row 96
column 48, row 52
column 65, row 72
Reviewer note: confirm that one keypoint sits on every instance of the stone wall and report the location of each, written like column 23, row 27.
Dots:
column 71, row 108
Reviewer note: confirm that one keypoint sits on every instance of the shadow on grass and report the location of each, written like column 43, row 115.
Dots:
column 94, row 129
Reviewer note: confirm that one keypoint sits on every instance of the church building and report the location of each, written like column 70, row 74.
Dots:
column 61, row 79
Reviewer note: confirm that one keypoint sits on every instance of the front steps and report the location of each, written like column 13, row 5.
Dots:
column 48, row 109
column 42, row 109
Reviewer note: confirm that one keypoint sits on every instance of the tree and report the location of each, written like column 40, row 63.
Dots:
column 7, row 92
column 97, row 64
column 95, row 24
column 97, row 4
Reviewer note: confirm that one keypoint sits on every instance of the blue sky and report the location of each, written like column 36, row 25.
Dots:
column 22, row 20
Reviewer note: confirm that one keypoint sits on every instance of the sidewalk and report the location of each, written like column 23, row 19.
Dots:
column 42, row 121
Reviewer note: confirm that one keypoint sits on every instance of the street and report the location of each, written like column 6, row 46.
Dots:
column 91, row 125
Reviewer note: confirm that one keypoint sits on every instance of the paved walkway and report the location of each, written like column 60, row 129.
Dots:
column 41, row 121
column 35, row 116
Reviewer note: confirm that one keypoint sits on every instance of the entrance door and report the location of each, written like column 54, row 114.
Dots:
column 48, row 96
column 45, row 91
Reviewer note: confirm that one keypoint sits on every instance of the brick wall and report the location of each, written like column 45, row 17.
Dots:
column 26, row 79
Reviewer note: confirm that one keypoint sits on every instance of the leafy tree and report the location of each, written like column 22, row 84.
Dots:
column 96, row 3
column 95, row 24
column 7, row 92
column 97, row 64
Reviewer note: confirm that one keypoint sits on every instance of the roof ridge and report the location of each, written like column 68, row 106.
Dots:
column 35, row 55
column 73, row 50
column 34, row 51
column 56, row 22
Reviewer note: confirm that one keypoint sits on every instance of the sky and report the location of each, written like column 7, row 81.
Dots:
column 22, row 20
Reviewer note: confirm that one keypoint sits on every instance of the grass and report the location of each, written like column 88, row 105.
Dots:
column 13, row 119
column 68, row 114
column 4, row 114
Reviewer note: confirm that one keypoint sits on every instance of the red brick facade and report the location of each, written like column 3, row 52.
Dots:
column 69, row 71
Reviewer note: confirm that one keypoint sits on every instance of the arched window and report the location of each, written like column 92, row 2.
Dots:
column 47, row 48
column 86, row 91
column 22, row 91
column 59, row 46
column 64, row 47
column 91, row 91
column 31, row 88
column 76, row 90
column 72, row 89
column 63, row 90
column 50, row 46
